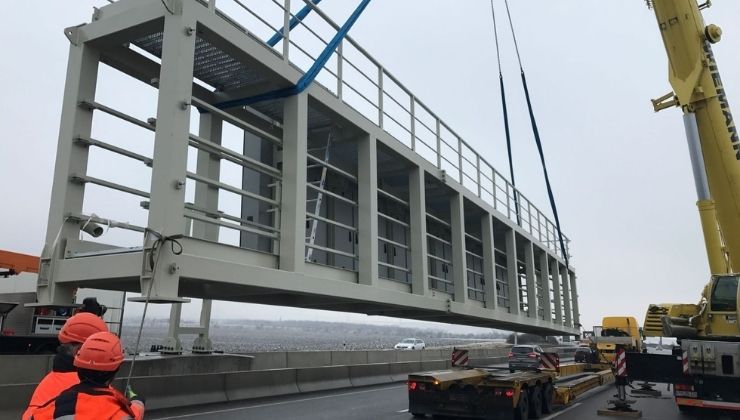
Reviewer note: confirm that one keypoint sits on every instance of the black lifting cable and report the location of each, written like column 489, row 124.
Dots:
column 506, row 118
column 536, row 132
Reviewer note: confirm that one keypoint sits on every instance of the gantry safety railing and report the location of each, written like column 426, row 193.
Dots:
column 364, row 84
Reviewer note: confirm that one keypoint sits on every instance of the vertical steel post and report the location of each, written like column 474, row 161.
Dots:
column 531, row 279
column 566, row 296
column 209, row 166
column 489, row 261
column 512, row 271
column 545, row 280
column 439, row 144
column 574, row 299
column 459, row 256
column 555, row 272
column 380, row 96
column 171, row 149
column 293, row 217
column 418, row 232
column 412, row 114
column 286, row 31
column 367, row 210
column 460, row 160
column 71, row 158
column 340, row 67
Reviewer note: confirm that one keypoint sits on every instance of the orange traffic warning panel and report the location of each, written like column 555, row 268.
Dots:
column 17, row 263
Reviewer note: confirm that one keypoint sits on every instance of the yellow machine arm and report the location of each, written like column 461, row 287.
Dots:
column 714, row 147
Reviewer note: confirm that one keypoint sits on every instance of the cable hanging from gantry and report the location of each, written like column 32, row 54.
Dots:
column 506, row 117
column 535, row 129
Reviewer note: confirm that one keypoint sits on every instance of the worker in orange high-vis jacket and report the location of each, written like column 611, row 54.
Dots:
column 63, row 375
column 93, row 398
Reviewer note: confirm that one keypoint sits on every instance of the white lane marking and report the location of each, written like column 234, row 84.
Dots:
column 402, row 411
column 552, row 416
column 226, row 410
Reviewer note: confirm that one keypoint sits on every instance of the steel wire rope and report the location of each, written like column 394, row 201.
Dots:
column 506, row 118
column 537, row 140
column 153, row 264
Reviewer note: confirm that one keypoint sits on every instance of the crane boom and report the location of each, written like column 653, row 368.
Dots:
column 698, row 90
column 714, row 147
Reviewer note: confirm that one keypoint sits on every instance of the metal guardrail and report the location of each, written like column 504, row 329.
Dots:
column 363, row 83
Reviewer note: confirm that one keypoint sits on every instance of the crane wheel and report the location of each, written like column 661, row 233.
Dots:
column 535, row 402
column 547, row 397
column 521, row 412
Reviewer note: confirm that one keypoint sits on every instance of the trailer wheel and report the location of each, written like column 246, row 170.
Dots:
column 547, row 396
column 521, row 412
column 535, row 402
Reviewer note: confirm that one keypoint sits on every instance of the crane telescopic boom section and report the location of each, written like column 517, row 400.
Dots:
column 713, row 137
column 714, row 148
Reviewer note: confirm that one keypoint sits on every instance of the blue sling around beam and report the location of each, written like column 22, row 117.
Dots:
column 297, row 18
column 312, row 72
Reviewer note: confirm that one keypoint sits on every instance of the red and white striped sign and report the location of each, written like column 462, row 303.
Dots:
column 621, row 363
column 685, row 361
column 550, row 361
column 459, row 357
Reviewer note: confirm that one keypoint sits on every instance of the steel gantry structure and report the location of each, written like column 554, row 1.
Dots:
column 352, row 194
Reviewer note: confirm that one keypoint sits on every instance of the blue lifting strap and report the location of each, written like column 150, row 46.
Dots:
column 312, row 72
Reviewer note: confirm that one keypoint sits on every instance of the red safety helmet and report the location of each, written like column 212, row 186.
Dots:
column 79, row 327
column 101, row 351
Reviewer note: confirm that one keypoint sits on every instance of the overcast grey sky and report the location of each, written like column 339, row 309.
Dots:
column 621, row 173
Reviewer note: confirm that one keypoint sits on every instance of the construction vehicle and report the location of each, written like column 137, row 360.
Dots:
column 39, row 334
column 614, row 332
column 496, row 393
column 29, row 328
column 706, row 367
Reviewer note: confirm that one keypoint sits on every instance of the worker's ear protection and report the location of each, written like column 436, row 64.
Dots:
column 92, row 306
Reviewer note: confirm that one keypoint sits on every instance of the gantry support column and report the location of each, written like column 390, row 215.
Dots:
column 489, row 261
column 512, row 271
column 555, row 271
column 531, row 279
column 367, row 210
column 170, row 153
column 206, row 197
column 293, row 207
column 71, row 158
column 545, row 280
column 418, row 232
column 566, row 296
column 459, row 260
column 574, row 300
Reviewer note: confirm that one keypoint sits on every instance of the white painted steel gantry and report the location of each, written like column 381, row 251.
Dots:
column 412, row 222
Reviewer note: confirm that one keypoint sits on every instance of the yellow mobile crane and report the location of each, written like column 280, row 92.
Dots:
column 706, row 367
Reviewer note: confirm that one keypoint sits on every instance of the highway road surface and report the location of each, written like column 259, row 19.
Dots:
column 390, row 402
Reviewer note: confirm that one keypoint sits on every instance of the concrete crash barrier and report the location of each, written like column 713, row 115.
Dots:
column 400, row 371
column 339, row 358
column 14, row 399
column 322, row 378
column 178, row 390
column 362, row 375
column 257, row 384
column 269, row 360
column 382, row 356
column 24, row 369
column 187, row 364
column 301, row 359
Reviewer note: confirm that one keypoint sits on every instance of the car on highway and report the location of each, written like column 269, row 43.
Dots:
column 585, row 354
column 525, row 357
column 410, row 344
